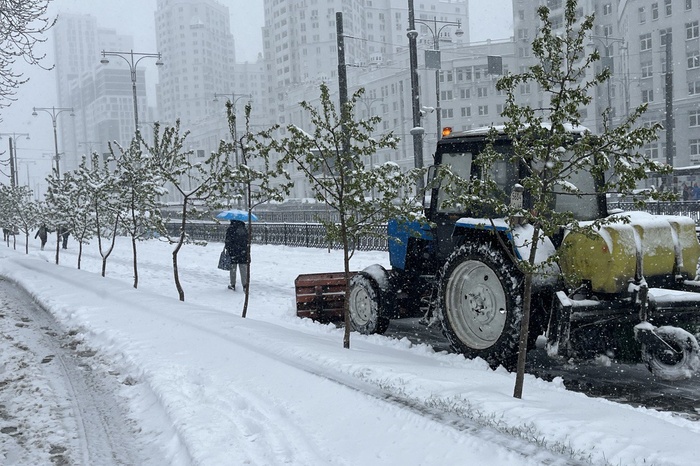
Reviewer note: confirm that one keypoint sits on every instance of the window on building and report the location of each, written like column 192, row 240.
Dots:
column 693, row 59
column 688, row 5
column 651, row 151
column 642, row 15
column 694, row 118
column 647, row 95
column 692, row 30
column 554, row 4
column 647, row 69
column 525, row 89
column 521, row 15
column 694, row 149
column 645, row 42
column 499, row 108
column 465, row 93
column 694, row 88
column 482, row 92
column 446, row 95
column 466, row 111
column 665, row 35
column 607, row 9
column 668, row 4
column 654, row 11
column 447, row 113
column 483, row 109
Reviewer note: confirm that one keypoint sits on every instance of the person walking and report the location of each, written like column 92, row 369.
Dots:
column 42, row 234
column 65, row 233
column 236, row 244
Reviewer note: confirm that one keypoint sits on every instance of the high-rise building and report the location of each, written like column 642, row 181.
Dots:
column 195, row 40
column 632, row 37
column 648, row 28
column 101, row 95
column 300, row 38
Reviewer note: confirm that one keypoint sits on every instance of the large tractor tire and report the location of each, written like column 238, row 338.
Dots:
column 366, row 305
column 678, row 362
column 480, row 304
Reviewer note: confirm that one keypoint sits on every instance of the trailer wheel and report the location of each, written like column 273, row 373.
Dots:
column 365, row 305
column 480, row 304
column 680, row 361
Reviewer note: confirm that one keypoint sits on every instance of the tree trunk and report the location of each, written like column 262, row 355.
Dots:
column 346, row 268
column 58, row 244
column 525, row 322
column 176, row 275
column 136, row 269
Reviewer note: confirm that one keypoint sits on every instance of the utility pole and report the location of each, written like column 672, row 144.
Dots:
column 417, row 130
column 669, row 108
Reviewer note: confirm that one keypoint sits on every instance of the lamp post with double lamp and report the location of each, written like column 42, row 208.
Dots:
column 432, row 58
column 607, row 60
column 13, row 155
column 53, row 112
column 132, row 59
column 233, row 98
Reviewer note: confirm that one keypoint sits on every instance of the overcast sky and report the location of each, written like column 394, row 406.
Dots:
column 490, row 19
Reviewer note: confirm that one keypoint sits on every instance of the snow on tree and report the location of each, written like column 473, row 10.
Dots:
column 332, row 156
column 140, row 186
column 256, row 179
column 195, row 182
column 23, row 24
column 19, row 211
column 551, row 144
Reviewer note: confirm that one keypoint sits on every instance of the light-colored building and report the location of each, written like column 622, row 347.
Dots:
column 101, row 95
column 647, row 27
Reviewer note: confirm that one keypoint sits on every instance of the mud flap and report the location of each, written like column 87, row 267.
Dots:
column 559, row 327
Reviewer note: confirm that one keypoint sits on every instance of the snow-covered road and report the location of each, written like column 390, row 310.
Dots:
column 203, row 386
column 55, row 408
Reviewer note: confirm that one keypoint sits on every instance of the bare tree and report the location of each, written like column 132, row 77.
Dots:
column 23, row 25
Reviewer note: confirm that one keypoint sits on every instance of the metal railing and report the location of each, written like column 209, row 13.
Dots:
column 309, row 235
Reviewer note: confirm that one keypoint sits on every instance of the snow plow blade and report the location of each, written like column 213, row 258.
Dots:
column 321, row 296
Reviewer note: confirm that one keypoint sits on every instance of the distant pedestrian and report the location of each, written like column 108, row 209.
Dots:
column 6, row 234
column 43, row 235
column 65, row 233
column 236, row 244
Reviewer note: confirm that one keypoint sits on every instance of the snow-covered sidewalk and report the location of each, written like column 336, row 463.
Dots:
column 211, row 388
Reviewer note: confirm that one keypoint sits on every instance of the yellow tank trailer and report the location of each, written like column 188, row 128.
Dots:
column 658, row 248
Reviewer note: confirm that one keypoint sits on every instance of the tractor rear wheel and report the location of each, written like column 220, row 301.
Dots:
column 480, row 304
column 680, row 360
column 365, row 305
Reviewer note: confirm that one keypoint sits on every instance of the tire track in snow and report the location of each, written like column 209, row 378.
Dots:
column 98, row 431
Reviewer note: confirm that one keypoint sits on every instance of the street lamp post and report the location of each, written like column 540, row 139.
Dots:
column 233, row 98
column 606, row 41
column 132, row 59
column 435, row 31
column 14, row 181
column 53, row 113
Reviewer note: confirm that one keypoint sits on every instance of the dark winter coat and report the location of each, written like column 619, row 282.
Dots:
column 237, row 242
column 42, row 234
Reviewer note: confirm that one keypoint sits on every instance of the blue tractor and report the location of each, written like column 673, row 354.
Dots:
column 629, row 290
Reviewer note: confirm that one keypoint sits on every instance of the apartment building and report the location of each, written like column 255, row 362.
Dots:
column 101, row 95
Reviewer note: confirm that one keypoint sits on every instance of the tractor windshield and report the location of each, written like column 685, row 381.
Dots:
column 575, row 194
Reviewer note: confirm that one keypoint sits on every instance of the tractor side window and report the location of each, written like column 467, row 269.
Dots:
column 461, row 165
column 505, row 174
column 430, row 184
column 584, row 204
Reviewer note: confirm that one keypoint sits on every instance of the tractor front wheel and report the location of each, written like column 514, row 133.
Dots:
column 365, row 305
column 480, row 304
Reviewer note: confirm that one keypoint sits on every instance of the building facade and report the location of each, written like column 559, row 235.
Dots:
column 100, row 94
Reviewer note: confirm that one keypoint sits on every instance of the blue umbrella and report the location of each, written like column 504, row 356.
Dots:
column 236, row 214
